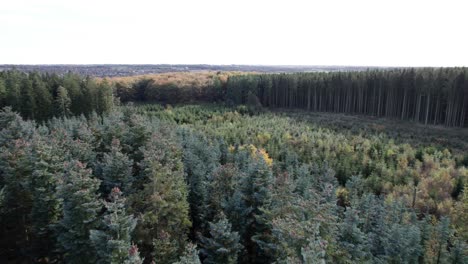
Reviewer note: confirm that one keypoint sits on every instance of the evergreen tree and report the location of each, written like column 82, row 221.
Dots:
column 17, row 164
column 190, row 256
column 133, row 256
column 116, row 169
column 113, row 240
column 46, row 206
column 81, row 206
column 43, row 98
column 62, row 102
column 201, row 157
column 255, row 196
column 3, row 92
column 162, row 202
column 223, row 245
column 351, row 238
column 315, row 251
column 28, row 102
column 105, row 98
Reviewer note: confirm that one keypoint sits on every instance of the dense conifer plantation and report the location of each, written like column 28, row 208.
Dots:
column 42, row 96
column 428, row 96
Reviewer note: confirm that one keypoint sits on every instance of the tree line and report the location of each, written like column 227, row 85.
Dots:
column 42, row 96
column 436, row 96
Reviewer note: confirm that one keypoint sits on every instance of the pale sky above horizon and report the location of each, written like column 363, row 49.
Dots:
column 333, row 32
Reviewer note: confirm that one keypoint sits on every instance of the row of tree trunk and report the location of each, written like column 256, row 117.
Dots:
column 424, row 95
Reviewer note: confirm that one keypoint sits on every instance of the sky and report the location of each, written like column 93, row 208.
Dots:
column 291, row 32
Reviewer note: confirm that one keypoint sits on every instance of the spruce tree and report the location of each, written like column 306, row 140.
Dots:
column 255, row 196
column 112, row 240
column 161, row 201
column 62, row 102
column 223, row 245
column 46, row 206
column 190, row 255
column 116, row 169
column 351, row 238
column 43, row 98
column 28, row 102
column 81, row 206
column 105, row 98
column 200, row 158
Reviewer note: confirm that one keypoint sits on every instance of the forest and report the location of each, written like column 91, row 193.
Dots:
column 228, row 167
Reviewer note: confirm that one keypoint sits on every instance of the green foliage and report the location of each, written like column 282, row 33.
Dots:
column 116, row 169
column 62, row 102
column 259, row 187
column 223, row 245
column 190, row 255
column 46, row 206
column 406, row 94
column 81, row 206
column 42, row 96
column 162, row 201
column 113, row 240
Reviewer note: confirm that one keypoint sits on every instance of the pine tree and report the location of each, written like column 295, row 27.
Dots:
column 113, row 240
column 223, row 245
column 81, row 206
column 116, row 169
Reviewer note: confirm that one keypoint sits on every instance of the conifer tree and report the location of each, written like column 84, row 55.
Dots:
column 3, row 92
column 255, row 196
column 28, row 103
column 190, row 255
column 351, row 238
column 81, row 206
column 16, row 164
column 105, row 99
column 46, row 206
column 116, row 169
column 112, row 240
column 223, row 245
column 43, row 99
column 200, row 160
column 162, row 202
column 62, row 102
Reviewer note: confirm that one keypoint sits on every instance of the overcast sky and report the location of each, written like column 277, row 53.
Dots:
column 325, row 32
